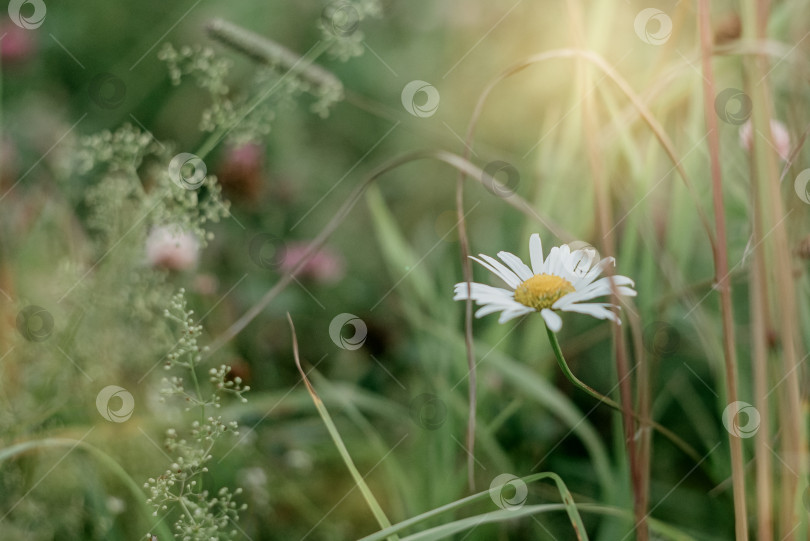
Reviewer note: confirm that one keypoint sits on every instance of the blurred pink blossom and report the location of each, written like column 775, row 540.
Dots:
column 241, row 171
column 325, row 266
column 779, row 135
column 17, row 45
column 169, row 247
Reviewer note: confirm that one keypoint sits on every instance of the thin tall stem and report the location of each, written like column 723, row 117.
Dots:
column 466, row 265
column 774, row 258
column 566, row 370
column 721, row 268
column 555, row 346
column 759, row 359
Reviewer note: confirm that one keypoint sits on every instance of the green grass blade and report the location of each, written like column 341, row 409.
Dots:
column 568, row 505
column 450, row 528
column 372, row 502
column 662, row 529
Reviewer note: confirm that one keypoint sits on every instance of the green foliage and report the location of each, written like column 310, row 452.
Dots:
column 315, row 91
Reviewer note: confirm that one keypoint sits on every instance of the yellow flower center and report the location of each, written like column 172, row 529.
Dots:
column 542, row 290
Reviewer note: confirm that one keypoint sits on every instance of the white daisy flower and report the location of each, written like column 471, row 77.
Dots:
column 563, row 281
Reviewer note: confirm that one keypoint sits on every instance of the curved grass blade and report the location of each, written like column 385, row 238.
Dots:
column 502, row 515
column 372, row 502
column 568, row 504
column 662, row 529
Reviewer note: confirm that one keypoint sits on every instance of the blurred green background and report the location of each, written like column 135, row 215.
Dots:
column 400, row 400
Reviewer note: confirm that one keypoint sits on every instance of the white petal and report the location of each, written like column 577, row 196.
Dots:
column 491, row 300
column 565, row 300
column 552, row 319
column 586, row 294
column 480, row 291
column 558, row 264
column 592, row 309
column 516, row 264
column 626, row 291
column 594, row 273
column 493, row 270
column 552, row 261
column 516, row 312
column 490, row 309
column 601, row 287
column 536, row 253
column 500, row 270
column 589, row 294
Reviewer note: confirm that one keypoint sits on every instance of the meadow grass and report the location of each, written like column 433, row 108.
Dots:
column 378, row 407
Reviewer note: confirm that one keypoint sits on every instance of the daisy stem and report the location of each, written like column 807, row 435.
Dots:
column 667, row 433
column 555, row 345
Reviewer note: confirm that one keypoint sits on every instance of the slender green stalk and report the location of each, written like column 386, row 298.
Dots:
column 568, row 504
column 674, row 438
column 775, row 259
column 760, row 315
column 555, row 346
column 371, row 500
column 443, row 531
column 466, row 265
column 193, row 369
